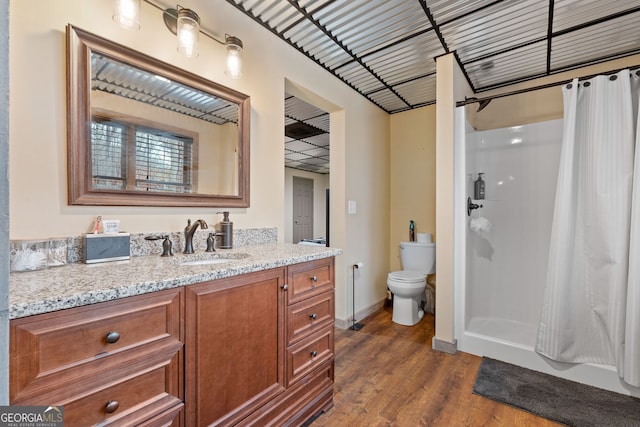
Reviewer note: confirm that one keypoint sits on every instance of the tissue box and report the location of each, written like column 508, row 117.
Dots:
column 106, row 247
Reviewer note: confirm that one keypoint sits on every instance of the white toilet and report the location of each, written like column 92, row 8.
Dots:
column 408, row 286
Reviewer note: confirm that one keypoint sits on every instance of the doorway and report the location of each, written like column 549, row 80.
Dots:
column 302, row 209
column 307, row 172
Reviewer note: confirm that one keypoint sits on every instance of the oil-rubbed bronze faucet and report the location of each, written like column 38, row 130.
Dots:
column 189, row 231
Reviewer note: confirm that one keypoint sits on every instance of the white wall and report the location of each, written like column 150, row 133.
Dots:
column 359, row 140
column 507, row 265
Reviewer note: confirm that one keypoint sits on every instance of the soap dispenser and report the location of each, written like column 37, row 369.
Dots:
column 478, row 188
column 225, row 230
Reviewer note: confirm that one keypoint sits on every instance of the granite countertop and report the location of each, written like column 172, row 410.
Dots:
column 80, row 284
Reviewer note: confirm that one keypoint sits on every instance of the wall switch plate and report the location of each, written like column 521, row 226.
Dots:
column 352, row 207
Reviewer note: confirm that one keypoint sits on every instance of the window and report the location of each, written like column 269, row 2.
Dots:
column 127, row 156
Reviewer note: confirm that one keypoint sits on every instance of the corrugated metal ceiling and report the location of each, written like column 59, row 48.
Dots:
column 385, row 49
column 306, row 143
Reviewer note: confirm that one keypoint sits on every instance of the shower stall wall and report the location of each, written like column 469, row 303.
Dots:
column 500, row 285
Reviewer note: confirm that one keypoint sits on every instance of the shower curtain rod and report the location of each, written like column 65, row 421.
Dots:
column 485, row 101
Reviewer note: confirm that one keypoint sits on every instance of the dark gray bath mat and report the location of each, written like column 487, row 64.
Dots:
column 553, row 398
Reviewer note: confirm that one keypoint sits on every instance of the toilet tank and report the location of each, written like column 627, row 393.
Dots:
column 418, row 256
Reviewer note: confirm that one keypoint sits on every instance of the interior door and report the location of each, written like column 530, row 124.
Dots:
column 302, row 209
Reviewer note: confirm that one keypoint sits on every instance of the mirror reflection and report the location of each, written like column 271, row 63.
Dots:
column 149, row 133
column 153, row 134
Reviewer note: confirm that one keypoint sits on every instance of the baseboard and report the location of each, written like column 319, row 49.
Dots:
column 361, row 314
column 444, row 346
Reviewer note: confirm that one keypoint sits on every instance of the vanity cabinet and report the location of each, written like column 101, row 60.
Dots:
column 112, row 363
column 259, row 347
column 253, row 349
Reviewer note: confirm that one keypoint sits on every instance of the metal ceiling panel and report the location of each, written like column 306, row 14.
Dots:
column 572, row 13
column 445, row 11
column 496, row 28
column 318, row 152
column 277, row 14
column 511, row 66
column 299, row 146
column 365, row 25
column 295, row 156
column 610, row 39
column 417, row 91
column 289, row 120
column 321, row 122
column 358, row 77
column 390, row 100
column 300, row 110
column 321, row 140
column 409, row 59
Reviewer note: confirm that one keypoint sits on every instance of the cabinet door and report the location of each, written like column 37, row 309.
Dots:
column 234, row 346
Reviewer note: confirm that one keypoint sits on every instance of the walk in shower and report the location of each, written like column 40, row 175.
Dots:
column 502, row 269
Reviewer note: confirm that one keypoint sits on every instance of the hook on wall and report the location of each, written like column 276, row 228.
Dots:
column 471, row 206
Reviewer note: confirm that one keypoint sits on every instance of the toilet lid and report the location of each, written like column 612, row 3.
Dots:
column 407, row 276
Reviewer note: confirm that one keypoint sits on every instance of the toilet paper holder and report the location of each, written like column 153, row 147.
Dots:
column 471, row 206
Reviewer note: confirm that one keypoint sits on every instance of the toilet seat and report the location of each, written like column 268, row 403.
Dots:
column 407, row 276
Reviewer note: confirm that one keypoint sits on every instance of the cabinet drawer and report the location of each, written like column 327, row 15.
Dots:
column 75, row 343
column 308, row 354
column 129, row 402
column 309, row 279
column 308, row 316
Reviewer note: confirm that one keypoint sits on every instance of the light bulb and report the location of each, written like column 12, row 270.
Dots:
column 234, row 57
column 188, row 32
column 127, row 13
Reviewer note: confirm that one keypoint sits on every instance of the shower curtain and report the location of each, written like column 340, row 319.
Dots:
column 591, row 310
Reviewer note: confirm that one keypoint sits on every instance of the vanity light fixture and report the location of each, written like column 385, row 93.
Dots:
column 127, row 13
column 181, row 20
column 185, row 24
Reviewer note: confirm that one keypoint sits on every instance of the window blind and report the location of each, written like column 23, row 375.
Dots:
column 162, row 161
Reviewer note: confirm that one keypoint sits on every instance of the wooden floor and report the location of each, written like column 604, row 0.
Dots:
column 388, row 375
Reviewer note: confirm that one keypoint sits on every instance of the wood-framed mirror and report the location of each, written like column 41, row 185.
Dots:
column 142, row 132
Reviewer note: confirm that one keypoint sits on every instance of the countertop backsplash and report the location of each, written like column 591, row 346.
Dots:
column 45, row 253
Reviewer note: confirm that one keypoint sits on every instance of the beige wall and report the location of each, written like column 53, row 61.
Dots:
column 360, row 132
column 413, row 177
column 451, row 86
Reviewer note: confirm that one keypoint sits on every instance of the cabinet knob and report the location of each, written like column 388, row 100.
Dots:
column 314, row 353
column 113, row 337
column 112, row 406
column 313, row 316
column 314, row 278
column 284, row 287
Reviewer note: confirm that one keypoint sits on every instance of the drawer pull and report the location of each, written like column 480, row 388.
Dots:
column 313, row 316
column 314, row 353
column 113, row 337
column 314, row 278
column 112, row 406
column 284, row 287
